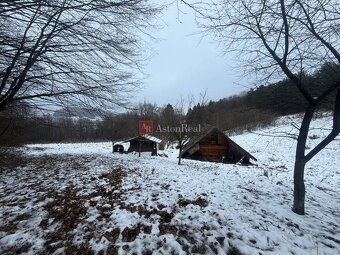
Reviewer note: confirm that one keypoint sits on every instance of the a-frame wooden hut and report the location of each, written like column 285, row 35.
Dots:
column 213, row 145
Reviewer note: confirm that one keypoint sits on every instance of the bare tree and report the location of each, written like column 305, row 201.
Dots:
column 147, row 110
column 283, row 37
column 71, row 52
column 181, row 133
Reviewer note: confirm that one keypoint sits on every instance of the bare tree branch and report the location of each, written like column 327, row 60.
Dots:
column 48, row 47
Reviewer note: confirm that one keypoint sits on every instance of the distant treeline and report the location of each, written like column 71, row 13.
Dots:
column 257, row 108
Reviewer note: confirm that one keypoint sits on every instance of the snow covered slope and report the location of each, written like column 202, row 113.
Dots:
column 81, row 197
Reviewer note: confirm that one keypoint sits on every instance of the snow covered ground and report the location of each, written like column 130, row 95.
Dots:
column 82, row 199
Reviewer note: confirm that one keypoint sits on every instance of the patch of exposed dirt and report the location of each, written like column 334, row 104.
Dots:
column 18, row 249
column 113, row 235
column 200, row 249
column 112, row 250
column 9, row 228
column 220, row 239
column 130, row 234
column 202, row 202
column 115, row 177
column 167, row 229
column 83, row 249
column 233, row 250
column 67, row 210
column 140, row 209
column 183, row 233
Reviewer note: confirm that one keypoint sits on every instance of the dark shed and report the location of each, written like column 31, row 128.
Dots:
column 213, row 145
column 145, row 143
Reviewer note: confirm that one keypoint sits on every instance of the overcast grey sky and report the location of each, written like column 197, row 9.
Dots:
column 185, row 64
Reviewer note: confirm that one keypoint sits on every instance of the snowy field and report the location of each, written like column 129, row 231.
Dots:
column 82, row 199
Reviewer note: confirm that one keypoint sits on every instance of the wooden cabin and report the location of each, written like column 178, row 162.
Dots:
column 144, row 143
column 213, row 145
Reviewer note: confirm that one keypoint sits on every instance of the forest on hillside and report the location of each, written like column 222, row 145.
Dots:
column 256, row 108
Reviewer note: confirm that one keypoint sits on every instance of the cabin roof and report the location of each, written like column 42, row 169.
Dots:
column 144, row 138
column 206, row 131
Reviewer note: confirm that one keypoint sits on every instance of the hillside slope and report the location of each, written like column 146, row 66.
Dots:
column 81, row 197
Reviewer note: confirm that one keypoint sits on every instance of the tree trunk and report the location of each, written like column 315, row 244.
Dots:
column 180, row 145
column 180, row 154
column 299, row 168
column 139, row 149
column 299, row 187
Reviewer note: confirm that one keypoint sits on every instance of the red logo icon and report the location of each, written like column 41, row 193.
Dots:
column 145, row 127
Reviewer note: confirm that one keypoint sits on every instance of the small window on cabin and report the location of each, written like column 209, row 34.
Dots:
column 213, row 139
